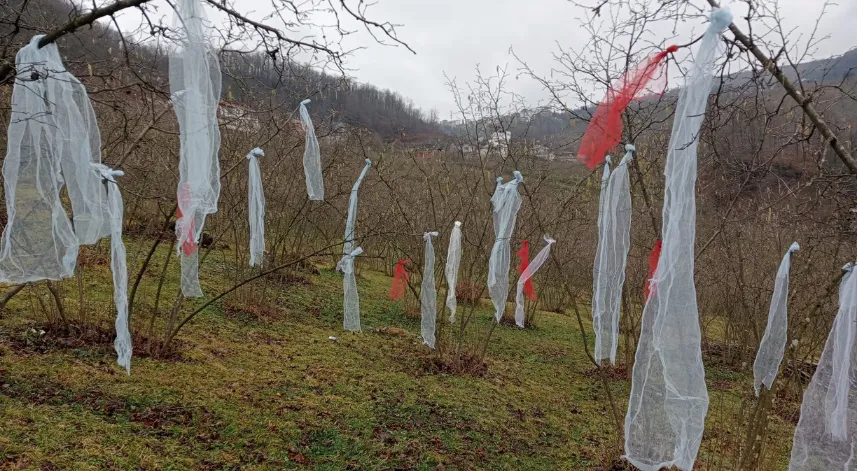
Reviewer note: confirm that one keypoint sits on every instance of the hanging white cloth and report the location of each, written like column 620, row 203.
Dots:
column 669, row 399
column 773, row 342
column 614, row 241
column 602, row 332
column 351, row 320
column 826, row 434
column 495, row 199
column 528, row 273
column 38, row 241
column 505, row 202
column 312, row 157
column 118, row 262
column 195, row 83
column 351, row 303
column 190, row 274
column 428, row 294
column 256, row 208
column 453, row 261
column 351, row 218
column 77, row 141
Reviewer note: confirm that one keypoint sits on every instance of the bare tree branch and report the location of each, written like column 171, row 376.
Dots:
column 76, row 23
column 802, row 101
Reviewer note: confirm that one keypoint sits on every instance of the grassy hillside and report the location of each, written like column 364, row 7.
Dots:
column 267, row 389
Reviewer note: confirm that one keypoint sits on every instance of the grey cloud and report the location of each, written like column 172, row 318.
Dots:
column 453, row 36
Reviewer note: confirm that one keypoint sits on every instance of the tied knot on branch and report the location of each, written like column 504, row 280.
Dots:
column 106, row 173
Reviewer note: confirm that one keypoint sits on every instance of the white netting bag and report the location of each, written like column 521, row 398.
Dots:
column 453, row 261
column 428, row 294
column 498, row 191
column 528, row 273
column 195, row 82
column 614, row 241
column 773, row 343
column 38, row 241
column 118, row 261
column 505, row 202
column 351, row 320
column 826, row 434
column 351, row 218
column 77, row 141
column 669, row 399
column 256, row 208
column 351, row 302
column 601, row 328
column 190, row 274
column 312, row 157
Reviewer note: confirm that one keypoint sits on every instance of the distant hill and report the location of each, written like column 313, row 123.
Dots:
column 561, row 130
column 99, row 52
column 823, row 71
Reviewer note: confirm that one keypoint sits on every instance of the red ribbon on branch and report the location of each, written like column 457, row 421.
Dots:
column 524, row 256
column 400, row 280
column 654, row 257
column 605, row 128
column 189, row 245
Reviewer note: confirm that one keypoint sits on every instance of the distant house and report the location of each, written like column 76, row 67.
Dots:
column 426, row 153
column 237, row 117
column 566, row 156
column 429, row 150
column 499, row 142
column 542, row 152
column 527, row 114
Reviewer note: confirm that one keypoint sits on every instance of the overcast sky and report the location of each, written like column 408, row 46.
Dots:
column 454, row 36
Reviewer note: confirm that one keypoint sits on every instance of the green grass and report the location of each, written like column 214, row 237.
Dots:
column 276, row 393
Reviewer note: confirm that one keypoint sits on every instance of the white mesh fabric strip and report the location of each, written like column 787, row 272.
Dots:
column 614, row 243
column 38, row 241
column 312, row 157
column 78, row 143
column 351, row 302
column 528, row 273
column 773, row 342
column 118, row 262
column 839, row 410
column 495, row 201
column 669, row 399
column 453, row 261
column 351, row 308
column 351, row 218
column 195, row 86
column 826, row 434
column 428, row 294
column 190, row 275
column 599, row 324
column 506, row 202
column 256, row 208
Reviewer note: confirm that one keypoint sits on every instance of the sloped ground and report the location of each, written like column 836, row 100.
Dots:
column 273, row 392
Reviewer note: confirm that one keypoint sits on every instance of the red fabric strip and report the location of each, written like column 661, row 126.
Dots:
column 605, row 128
column 400, row 281
column 524, row 256
column 654, row 257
